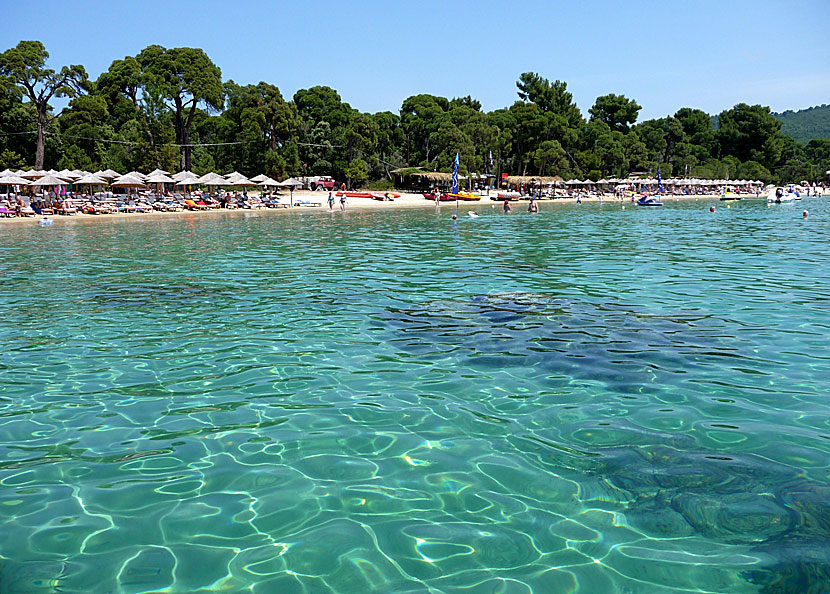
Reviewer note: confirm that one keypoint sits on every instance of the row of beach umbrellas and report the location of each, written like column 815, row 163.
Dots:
column 135, row 179
column 668, row 181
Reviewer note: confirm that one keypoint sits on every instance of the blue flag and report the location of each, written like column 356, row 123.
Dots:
column 659, row 180
column 455, row 175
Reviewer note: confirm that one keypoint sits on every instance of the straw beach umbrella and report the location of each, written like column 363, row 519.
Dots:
column 211, row 179
column 49, row 181
column 186, row 179
column 90, row 180
column 108, row 174
column 181, row 175
column 13, row 180
column 159, row 178
column 127, row 181
column 291, row 183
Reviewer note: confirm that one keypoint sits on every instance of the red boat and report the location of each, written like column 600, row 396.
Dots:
column 443, row 197
column 355, row 194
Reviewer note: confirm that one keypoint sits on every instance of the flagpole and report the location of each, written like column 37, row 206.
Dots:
column 455, row 182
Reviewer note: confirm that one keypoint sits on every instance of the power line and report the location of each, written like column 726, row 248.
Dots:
column 192, row 144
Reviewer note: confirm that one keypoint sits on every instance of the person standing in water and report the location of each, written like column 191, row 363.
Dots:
column 506, row 206
column 342, row 197
column 533, row 207
column 331, row 201
column 437, row 194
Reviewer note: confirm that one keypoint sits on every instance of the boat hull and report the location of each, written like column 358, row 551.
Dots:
column 441, row 198
column 464, row 197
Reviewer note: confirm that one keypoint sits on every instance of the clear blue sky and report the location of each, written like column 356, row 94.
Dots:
column 666, row 55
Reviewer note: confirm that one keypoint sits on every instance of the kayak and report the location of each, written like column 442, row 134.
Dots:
column 464, row 196
column 385, row 196
column 442, row 198
column 355, row 194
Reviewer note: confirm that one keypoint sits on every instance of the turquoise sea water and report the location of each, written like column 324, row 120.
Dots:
column 588, row 400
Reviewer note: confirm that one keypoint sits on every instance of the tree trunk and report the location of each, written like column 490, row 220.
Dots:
column 41, row 138
column 186, row 141
column 179, row 126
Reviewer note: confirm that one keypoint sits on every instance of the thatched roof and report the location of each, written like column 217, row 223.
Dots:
column 405, row 170
column 526, row 179
column 433, row 175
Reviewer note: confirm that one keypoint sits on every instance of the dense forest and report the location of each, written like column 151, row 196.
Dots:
column 171, row 108
column 806, row 124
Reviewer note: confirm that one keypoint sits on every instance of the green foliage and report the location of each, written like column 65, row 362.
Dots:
column 138, row 112
column 357, row 173
column 749, row 132
column 615, row 110
column 183, row 78
column 807, row 124
column 24, row 69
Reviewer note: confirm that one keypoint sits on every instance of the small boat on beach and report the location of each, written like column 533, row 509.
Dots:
column 463, row 196
column 648, row 201
column 441, row 198
column 502, row 196
column 355, row 194
column 387, row 196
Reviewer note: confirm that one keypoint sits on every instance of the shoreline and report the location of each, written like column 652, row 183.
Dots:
column 406, row 201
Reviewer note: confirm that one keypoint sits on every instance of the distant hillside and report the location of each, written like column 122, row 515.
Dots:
column 806, row 124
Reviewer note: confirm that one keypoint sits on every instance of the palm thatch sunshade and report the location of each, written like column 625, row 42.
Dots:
column 13, row 180
column 526, row 179
column 434, row 176
column 49, row 180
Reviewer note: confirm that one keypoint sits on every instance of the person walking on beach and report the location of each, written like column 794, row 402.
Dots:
column 331, row 201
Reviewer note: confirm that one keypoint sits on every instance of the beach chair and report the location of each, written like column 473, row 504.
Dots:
column 190, row 205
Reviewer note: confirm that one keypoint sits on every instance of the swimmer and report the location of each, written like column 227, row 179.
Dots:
column 711, row 209
column 46, row 221
column 805, row 214
column 472, row 215
column 454, row 217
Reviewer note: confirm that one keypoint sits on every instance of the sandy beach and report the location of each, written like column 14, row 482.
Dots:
column 405, row 201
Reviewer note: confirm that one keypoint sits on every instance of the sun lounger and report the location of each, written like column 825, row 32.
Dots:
column 7, row 212
column 307, row 203
column 190, row 205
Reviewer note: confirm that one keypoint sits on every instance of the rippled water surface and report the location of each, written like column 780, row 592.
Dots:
column 589, row 400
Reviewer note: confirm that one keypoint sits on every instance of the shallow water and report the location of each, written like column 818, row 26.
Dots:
column 588, row 400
